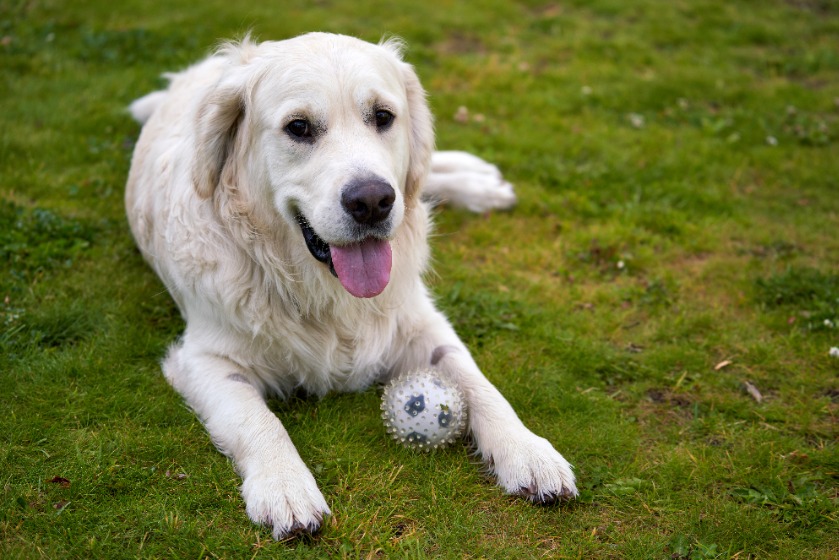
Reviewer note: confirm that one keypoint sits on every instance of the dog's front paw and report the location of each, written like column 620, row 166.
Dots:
column 529, row 466
column 291, row 504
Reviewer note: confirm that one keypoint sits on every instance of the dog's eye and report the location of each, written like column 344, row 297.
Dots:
column 383, row 118
column 299, row 128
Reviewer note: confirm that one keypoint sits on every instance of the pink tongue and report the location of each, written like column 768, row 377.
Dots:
column 363, row 268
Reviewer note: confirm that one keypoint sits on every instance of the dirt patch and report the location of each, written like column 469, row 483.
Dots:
column 462, row 43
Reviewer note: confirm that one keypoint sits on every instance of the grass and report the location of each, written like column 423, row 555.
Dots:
column 675, row 244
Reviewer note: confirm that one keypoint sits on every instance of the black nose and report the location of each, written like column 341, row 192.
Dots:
column 368, row 201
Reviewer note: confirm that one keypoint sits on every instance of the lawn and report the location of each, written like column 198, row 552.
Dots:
column 660, row 305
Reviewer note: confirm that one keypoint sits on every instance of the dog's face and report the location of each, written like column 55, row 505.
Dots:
column 333, row 135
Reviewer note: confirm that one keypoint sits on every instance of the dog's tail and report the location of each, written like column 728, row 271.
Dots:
column 142, row 109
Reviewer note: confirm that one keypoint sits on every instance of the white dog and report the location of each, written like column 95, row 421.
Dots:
column 275, row 189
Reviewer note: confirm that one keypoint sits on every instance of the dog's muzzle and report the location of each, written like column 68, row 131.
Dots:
column 363, row 267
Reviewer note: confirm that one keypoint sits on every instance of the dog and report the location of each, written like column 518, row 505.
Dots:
column 279, row 190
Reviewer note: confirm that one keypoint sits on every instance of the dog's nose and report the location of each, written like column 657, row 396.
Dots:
column 368, row 202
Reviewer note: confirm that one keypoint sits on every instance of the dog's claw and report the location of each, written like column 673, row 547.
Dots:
column 299, row 531
column 532, row 494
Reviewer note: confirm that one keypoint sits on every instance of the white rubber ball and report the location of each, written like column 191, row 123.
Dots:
column 423, row 410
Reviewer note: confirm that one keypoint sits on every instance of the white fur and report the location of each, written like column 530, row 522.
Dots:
column 467, row 181
column 212, row 198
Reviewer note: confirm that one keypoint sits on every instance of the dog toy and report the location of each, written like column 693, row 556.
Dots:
column 423, row 410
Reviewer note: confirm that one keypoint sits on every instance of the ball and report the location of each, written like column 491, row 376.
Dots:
column 423, row 410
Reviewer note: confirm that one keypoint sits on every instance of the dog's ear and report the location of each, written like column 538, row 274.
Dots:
column 422, row 133
column 222, row 114
column 218, row 121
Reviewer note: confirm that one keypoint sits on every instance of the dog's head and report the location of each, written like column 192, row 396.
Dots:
column 330, row 135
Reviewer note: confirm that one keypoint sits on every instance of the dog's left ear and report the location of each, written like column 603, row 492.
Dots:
column 422, row 133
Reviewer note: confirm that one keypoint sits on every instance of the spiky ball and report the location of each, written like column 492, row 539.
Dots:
column 423, row 410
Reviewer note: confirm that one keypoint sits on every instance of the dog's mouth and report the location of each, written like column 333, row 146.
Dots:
column 317, row 246
column 363, row 268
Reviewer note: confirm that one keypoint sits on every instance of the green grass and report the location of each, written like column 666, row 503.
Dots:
column 677, row 237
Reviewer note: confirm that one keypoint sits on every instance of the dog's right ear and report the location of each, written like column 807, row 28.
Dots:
column 217, row 126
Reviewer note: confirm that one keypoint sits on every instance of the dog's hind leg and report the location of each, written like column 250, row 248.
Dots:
column 467, row 181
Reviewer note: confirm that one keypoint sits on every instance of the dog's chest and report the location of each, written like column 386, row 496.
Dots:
column 338, row 354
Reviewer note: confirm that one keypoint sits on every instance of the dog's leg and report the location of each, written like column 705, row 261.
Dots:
column 467, row 181
column 524, row 463
column 278, row 489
